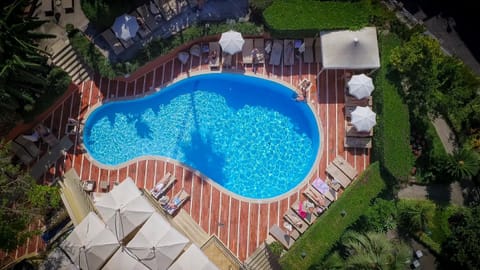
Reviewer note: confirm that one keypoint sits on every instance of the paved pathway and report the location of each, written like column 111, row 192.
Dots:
column 437, row 192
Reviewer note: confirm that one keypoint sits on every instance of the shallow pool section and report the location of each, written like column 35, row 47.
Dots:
column 247, row 134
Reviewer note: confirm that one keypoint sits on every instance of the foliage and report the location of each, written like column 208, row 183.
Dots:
column 392, row 132
column 373, row 250
column 426, row 240
column 22, row 200
column 102, row 13
column 326, row 231
column 415, row 216
column 417, row 62
column 275, row 248
column 286, row 17
column 92, row 57
column 333, row 262
column 22, row 68
column 463, row 164
column 380, row 217
column 462, row 249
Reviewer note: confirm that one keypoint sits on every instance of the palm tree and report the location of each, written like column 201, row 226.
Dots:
column 373, row 251
column 463, row 164
column 414, row 216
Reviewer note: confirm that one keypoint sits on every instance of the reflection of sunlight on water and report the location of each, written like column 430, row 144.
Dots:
column 256, row 151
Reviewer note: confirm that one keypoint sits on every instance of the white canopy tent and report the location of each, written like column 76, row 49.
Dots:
column 91, row 243
column 157, row 244
column 124, row 208
column 193, row 258
column 350, row 49
column 124, row 259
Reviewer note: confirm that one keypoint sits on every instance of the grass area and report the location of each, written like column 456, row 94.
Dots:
column 311, row 15
column 326, row 231
column 392, row 139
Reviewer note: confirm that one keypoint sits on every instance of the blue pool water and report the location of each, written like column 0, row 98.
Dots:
column 247, row 134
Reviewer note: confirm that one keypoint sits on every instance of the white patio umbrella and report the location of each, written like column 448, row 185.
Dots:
column 231, row 42
column 363, row 118
column 124, row 259
column 183, row 57
column 91, row 243
column 124, row 208
column 157, row 244
column 193, row 258
column 360, row 86
column 125, row 27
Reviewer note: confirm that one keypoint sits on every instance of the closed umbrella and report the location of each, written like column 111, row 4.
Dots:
column 360, row 86
column 363, row 118
column 125, row 27
column 193, row 258
column 91, row 243
column 231, row 42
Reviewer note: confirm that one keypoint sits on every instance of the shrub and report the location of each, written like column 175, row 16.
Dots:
column 275, row 248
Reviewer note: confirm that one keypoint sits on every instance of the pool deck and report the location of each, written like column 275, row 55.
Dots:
column 242, row 225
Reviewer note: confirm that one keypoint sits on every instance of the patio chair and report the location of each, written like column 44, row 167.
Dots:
column 163, row 185
column 358, row 142
column 345, row 167
column 305, row 209
column 288, row 52
column 176, row 202
column 308, row 53
column 281, row 236
column 148, row 17
column 46, row 135
column 29, row 146
column 259, row 44
column 338, row 175
column 247, row 48
column 318, row 50
column 214, row 55
column 112, row 41
column 296, row 221
column 276, row 54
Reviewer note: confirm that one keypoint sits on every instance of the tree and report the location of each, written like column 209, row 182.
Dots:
column 417, row 62
column 374, row 251
column 23, row 67
column 463, row 164
column 414, row 216
column 381, row 217
column 461, row 250
column 22, row 201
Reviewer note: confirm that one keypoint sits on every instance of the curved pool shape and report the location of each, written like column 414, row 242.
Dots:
column 247, row 134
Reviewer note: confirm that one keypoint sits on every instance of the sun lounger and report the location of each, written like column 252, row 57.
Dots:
column 176, row 202
column 67, row 5
column 324, row 189
column 351, row 131
column 21, row 153
column 281, row 236
column 112, row 41
column 163, row 185
column 333, row 183
column 29, row 146
column 345, row 167
column 276, row 54
column 214, row 62
column 308, row 52
column 296, row 221
column 148, row 17
column 358, row 142
column 288, row 52
column 259, row 44
column 316, row 197
column 247, row 51
column 51, row 157
column 338, row 175
column 126, row 43
column 46, row 135
column 165, row 10
column 353, row 101
column 226, row 60
column 306, row 210
column 318, row 50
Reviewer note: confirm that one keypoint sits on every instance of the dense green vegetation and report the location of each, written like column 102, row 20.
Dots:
column 392, row 133
column 294, row 16
column 327, row 230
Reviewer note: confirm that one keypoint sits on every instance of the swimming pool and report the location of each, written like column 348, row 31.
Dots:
column 247, row 134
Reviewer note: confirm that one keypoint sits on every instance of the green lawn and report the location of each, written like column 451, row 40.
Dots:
column 326, row 231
